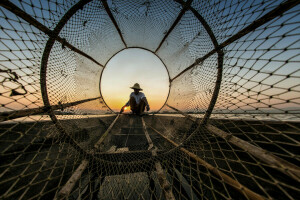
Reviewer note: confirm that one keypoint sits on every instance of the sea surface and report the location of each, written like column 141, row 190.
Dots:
column 271, row 117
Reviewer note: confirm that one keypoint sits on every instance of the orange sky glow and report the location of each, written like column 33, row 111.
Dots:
column 134, row 66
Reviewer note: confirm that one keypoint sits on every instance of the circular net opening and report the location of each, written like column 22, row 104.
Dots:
column 132, row 66
column 229, row 128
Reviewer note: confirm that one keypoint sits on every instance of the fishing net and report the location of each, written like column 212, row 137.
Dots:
column 228, row 130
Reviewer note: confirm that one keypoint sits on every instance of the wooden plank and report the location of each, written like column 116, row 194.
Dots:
column 184, row 114
column 279, row 164
column 97, row 145
column 182, row 12
column 227, row 179
column 267, row 157
column 162, row 178
column 278, row 11
column 40, row 110
column 111, row 16
column 67, row 188
column 147, row 135
column 164, row 183
column 20, row 13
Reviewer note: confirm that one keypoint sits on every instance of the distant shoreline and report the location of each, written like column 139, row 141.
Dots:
column 232, row 116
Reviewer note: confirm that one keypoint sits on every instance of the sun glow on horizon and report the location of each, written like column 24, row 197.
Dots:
column 132, row 66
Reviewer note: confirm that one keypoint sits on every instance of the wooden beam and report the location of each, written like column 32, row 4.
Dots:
column 281, row 165
column 98, row 143
column 164, row 183
column 147, row 136
column 68, row 187
column 40, row 110
column 184, row 114
column 284, row 166
column 22, row 14
column 182, row 12
column 202, row 20
column 220, row 53
column 227, row 179
column 111, row 16
column 162, row 178
column 278, row 11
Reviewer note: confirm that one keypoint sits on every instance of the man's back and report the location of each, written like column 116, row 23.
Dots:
column 137, row 101
column 138, row 97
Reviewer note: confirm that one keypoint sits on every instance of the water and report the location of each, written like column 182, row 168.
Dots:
column 264, row 117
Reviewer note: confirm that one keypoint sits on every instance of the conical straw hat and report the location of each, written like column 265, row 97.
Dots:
column 136, row 86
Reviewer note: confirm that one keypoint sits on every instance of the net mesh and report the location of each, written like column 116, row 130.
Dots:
column 228, row 130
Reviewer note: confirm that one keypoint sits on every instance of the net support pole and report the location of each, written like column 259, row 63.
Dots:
column 68, row 187
column 281, row 165
column 182, row 113
column 184, row 9
column 111, row 16
column 278, row 11
column 285, row 167
column 20, row 13
column 227, row 179
column 41, row 110
column 162, row 178
column 98, row 143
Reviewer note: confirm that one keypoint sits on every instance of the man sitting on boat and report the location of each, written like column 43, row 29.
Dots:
column 137, row 101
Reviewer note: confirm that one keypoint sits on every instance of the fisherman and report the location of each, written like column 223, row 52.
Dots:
column 137, row 101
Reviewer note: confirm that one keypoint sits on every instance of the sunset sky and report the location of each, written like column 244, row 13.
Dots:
column 255, row 68
column 134, row 66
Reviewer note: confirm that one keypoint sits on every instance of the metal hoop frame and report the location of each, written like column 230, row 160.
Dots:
column 105, row 65
column 55, row 34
